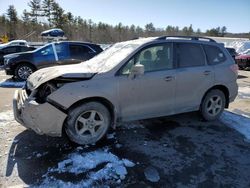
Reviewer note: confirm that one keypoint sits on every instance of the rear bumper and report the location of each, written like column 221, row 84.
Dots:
column 42, row 118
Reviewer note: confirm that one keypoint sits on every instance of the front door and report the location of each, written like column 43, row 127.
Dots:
column 152, row 94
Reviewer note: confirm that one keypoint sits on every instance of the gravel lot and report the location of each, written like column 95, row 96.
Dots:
column 175, row 151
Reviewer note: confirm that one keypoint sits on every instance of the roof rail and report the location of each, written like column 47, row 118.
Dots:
column 186, row 37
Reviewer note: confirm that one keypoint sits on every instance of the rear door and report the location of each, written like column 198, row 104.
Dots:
column 193, row 76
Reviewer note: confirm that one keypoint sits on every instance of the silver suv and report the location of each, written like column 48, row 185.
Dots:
column 132, row 80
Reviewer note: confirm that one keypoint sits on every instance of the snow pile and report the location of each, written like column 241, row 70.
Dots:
column 11, row 83
column 78, row 162
column 6, row 118
column 239, row 46
column 244, row 92
column 237, row 122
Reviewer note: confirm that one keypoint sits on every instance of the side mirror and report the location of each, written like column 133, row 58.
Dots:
column 136, row 70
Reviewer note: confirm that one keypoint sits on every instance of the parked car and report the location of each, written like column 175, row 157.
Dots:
column 53, row 33
column 243, row 60
column 14, row 43
column 21, row 65
column 133, row 80
column 13, row 49
column 232, row 52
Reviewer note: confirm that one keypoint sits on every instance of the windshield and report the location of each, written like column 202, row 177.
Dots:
column 112, row 56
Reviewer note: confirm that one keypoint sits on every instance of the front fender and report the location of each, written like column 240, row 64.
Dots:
column 71, row 93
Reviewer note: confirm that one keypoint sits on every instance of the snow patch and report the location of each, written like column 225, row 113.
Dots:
column 244, row 92
column 239, row 46
column 130, row 125
column 151, row 174
column 11, row 83
column 237, row 122
column 112, row 168
column 6, row 118
column 111, row 136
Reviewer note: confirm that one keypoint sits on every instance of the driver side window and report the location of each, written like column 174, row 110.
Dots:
column 154, row 58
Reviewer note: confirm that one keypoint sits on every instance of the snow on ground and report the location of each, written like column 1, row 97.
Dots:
column 6, row 118
column 237, row 122
column 244, row 92
column 151, row 174
column 11, row 83
column 112, row 169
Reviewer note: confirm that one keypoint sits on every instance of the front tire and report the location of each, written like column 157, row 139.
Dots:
column 23, row 71
column 88, row 123
column 213, row 105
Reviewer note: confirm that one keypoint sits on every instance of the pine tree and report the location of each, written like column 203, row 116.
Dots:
column 3, row 25
column 12, row 21
column 58, row 19
column 35, row 10
column 223, row 31
column 25, row 17
column 47, row 10
column 149, row 29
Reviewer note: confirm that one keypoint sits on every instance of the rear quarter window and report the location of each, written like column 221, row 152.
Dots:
column 214, row 54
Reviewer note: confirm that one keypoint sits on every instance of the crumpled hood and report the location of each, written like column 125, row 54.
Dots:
column 66, row 71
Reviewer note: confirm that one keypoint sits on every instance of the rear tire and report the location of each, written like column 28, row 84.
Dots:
column 23, row 71
column 88, row 123
column 213, row 105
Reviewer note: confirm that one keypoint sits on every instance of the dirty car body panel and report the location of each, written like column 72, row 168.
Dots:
column 50, row 93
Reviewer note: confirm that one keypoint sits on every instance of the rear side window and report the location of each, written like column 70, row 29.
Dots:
column 214, row 55
column 10, row 50
column 24, row 48
column 76, row 50
column 190, row 55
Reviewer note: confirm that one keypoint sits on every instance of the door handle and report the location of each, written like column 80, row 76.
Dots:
column 206, row 72
column 169, row 78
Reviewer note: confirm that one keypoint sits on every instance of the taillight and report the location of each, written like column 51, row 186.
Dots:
column 234, row 68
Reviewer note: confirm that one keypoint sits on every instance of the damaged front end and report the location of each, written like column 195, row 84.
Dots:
column 35, row 111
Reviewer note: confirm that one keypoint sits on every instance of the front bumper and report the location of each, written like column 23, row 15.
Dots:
column 9, row 72
column 42, row 118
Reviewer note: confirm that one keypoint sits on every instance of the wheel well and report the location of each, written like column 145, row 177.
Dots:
column 222, row 88
column 24, row 62
column 101, row 100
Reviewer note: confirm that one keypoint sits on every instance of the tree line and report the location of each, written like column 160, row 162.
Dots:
column 46, row 14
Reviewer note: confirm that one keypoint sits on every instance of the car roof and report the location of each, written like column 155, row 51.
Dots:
column 75, row 42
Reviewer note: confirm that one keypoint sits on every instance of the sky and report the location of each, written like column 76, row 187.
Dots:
column 203, row 14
